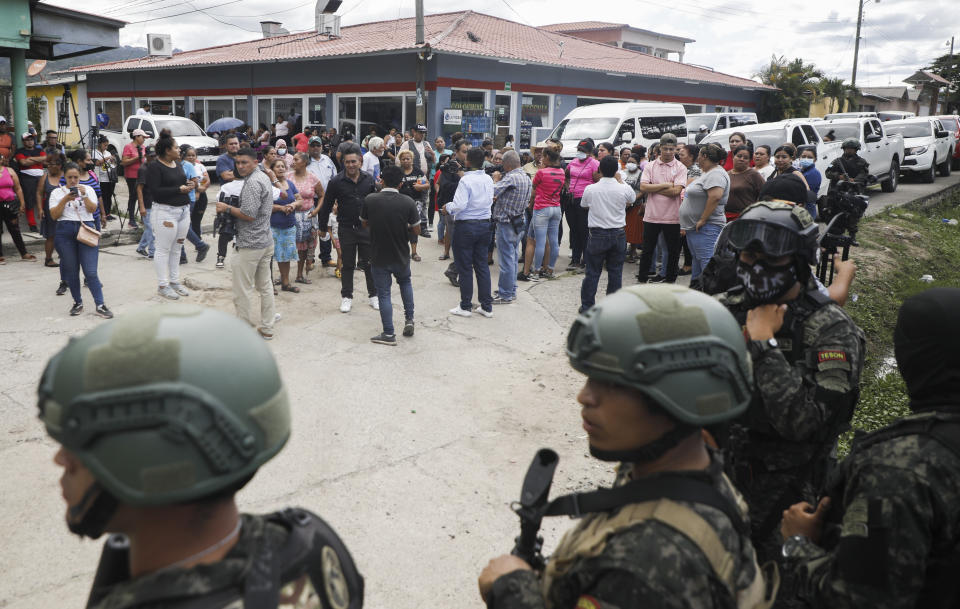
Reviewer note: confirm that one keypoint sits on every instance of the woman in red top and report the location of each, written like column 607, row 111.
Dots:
column 30, row 159
column 12, row 204
column 736, row 140
column 545, row 224
column 130, row 160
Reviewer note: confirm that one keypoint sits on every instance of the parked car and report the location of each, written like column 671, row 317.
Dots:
column 834, row 115
column 929, row 147
column 184, row 130
column 884, row 151
column 951, row 122
column 799, row 132
column 717, row 120
column 621, row 124
column 895, row 115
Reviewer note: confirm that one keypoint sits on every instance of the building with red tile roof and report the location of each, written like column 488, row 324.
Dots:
column 508, row 76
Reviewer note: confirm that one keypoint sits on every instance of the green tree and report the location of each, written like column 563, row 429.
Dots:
column 835, row 89
column 34, row 108
column 797, row 84
column 948, row 67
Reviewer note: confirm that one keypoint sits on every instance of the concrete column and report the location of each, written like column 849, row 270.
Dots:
column 18, row 78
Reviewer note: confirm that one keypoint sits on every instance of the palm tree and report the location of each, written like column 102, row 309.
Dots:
column 798, row 84
column 835, row 89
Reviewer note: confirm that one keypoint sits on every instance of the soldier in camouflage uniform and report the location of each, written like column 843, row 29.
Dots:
column 896, row 497
column 661, row 361
column 850, row 166
column 162, row 416
column 807, row 357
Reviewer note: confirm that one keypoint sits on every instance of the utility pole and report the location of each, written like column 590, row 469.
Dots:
column 421, row 67
column 856, row 47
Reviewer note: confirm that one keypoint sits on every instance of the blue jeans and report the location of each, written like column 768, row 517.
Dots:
column 604, row 245
column 702, row 243
column 546, row 224
column 381, row 278
column 74, row 256
column 146, row 239
column 470, row 247
column 507, row 241
column 441, row 227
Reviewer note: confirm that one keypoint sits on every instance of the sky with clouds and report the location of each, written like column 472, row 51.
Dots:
column 898, row 36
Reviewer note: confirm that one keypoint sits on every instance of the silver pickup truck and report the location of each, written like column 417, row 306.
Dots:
column 884, row 151
column 183, row 130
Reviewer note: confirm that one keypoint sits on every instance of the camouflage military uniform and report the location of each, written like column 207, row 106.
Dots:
column 806, row 392
column 900, row 504
column 857, row 168
column 649, row 565
column 215, row 586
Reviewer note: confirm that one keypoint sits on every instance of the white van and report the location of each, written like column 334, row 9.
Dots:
column 714, row 121
column 621, row 124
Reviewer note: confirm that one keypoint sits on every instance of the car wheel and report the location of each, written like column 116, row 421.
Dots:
column 893, row 179
column 929, row 175
column 945, row 168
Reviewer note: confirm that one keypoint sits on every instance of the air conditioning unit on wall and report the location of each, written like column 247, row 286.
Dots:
column 159, row 45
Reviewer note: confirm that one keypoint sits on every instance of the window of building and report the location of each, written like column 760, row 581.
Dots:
column 503, row 118
column 636, row 47
column 467, row 100
column 240, row 109
column 410, row 109
column 379, row 114
column 217, row 108
column 693, row 108
column 534, row 113
column 116, row 111
column 347, row 115
column 660, row 53
column 269, row 108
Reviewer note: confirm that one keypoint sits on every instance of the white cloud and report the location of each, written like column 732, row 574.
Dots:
column 898, row 37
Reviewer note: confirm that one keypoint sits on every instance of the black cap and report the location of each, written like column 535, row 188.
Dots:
column 421, row 127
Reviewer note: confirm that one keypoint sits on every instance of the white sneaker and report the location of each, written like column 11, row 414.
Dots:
column 375, row 303
column 345, row 305
column 179, row 289
column 168, row 292
column 487, row 314
column 458, row 311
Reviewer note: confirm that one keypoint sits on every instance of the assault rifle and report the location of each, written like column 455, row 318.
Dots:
column 532, row 505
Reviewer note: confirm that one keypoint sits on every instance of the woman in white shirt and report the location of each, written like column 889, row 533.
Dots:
column 72, row 205
column 281, row 129
column 106, row 164
column 200, row 205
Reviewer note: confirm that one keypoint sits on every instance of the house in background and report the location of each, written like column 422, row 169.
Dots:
column 624, row 36
column 49, row 96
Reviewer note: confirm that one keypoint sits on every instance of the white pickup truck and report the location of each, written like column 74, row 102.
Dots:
column 879, row 146
column 929, row 147
column 184, row 130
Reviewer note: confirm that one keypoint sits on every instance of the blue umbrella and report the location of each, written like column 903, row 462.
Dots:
column 224, row 124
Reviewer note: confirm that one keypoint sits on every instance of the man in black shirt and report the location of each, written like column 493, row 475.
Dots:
column 391, row 218
column 348, row 189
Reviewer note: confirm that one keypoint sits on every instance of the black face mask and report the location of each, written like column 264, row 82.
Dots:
column 89, row 518
column 88, row 166
column 765, row 283
column 925, row 343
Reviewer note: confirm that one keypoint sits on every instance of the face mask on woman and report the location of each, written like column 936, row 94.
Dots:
column 806, row 163
column 631, row 167
column 281, row 151
column 581, row 155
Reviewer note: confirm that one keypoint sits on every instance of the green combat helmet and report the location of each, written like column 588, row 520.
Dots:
column 850, row 142
column 678, row 347
column 168, row 405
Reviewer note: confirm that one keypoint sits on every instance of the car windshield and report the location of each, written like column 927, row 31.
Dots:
column 179, row 128
column 739, row 120
column 772, row 138
column 910, row 130
column 694, row 122
column 837, row 132
column 599, row 128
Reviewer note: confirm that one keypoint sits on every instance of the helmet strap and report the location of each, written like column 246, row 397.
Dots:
column 648, row 452
column 89, row 518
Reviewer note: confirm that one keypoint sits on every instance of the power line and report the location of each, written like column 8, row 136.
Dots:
column 196, row 10
column 204, row 12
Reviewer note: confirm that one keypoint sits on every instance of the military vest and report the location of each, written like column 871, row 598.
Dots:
column 589, row 539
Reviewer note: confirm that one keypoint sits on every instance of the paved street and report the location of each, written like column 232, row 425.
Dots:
column 412, row 452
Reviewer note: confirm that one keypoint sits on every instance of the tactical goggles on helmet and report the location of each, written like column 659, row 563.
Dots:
column 756, row 235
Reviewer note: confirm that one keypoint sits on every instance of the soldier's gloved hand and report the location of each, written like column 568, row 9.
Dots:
column 801, row 519
column 765, row 321
column 508, row 563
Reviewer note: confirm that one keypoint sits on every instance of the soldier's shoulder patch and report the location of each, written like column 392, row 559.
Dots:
column 587, row 602
column 831, row 356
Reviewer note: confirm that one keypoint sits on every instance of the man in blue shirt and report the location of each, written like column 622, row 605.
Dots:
column 227, row 162
column 470, row 209
column 512, row 194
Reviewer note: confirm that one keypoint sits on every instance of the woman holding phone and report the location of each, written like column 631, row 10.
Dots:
column 71, row 205
column 170, row 215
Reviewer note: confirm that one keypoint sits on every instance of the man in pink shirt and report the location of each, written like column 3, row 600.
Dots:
column 663, row 180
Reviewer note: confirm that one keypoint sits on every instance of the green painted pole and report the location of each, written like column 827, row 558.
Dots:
column 18, row 77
